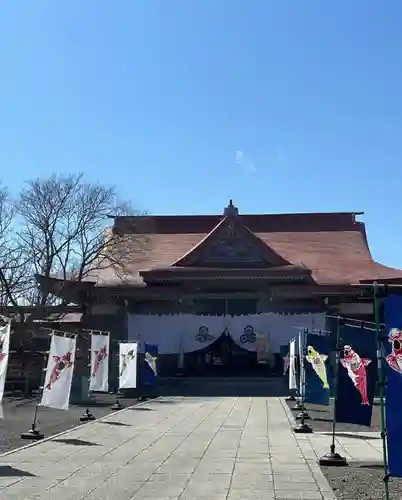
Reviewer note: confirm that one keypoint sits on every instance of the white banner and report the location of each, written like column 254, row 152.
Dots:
column 4, row 350
column 301, row 362
column 59, row 373
column 128, row 365
column 99, row 378
column 292, row 365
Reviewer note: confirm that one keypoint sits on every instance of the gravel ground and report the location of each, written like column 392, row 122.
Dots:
column 18, row 414
column 359, row 480
column 321, row 419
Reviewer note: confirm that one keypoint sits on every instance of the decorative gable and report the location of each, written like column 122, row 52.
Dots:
column 231, row 247
column 231, row 244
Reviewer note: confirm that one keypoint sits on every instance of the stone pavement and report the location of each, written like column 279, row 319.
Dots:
column 355, row 446
column 172, row 449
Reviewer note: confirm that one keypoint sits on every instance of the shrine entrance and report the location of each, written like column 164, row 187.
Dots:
column 225, row 358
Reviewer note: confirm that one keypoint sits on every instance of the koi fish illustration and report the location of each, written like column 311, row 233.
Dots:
column 2, row 353
column 394, row 359
column 356, row 368
column 100, row 356
column 317, row 362
column 62, row 362
column 125, row 360
column 151, row 360
column 286, row 363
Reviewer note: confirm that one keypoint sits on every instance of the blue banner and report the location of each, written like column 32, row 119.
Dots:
column 393, row 367
column 149, row 366
column 285, row 358
column 316, row 365
column 357, row 376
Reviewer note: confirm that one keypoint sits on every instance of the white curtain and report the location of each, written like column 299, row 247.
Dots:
column 201, row 331
column 189, row 332
column 162, row 330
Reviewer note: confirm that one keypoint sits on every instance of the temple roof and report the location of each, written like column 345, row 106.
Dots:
column 331, row 247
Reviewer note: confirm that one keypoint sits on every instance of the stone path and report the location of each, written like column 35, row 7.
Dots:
column 355, row 446
column 172, row 449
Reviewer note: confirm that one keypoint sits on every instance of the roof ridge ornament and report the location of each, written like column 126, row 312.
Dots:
column 231, row 210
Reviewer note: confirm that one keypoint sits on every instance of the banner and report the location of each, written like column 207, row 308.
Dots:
column 292, row 365
column 316, row 362
column 59, row 373
column 99, row 379
column 393, row 367
column 357, row 376
column 302, row 372
column 128, row 365
column 149, row 370
column 285, row 358
column 5, row 331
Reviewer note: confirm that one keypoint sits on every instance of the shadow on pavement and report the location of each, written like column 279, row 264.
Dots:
column 8, row 471
column 116, row 423
column 74, row 442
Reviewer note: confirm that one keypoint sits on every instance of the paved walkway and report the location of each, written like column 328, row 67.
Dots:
column 176, row 449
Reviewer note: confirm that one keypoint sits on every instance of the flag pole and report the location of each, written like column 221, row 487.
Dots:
column 33, row 433
column 333, row 458
column 382, row 382
column 88, row 415
column 302, row 427
column 118, row 405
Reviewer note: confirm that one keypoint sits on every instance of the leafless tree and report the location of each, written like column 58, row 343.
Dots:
column 14, row 278
column 65, row 231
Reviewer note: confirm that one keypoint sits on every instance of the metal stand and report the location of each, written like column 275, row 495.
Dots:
column 118, row 406
column 87, row 416
column 334, row 459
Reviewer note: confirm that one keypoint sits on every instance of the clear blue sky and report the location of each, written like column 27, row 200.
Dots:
column 157, row 96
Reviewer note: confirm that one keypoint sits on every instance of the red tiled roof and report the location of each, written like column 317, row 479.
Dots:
column 333, row 246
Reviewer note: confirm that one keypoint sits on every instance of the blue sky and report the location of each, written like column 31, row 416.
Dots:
column 285, row 105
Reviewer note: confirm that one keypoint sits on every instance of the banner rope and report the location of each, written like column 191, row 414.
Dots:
column 382, row 382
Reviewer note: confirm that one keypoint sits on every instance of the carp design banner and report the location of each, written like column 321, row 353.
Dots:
column 59, row 373
column 393, row 391
column 285, row 358
column 149, row 365
column 128, row 365
column 99, row 378
column 357, row 376
column 5, row 331
column 317, row 368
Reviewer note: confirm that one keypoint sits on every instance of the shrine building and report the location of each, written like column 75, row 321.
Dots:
column 225, row 292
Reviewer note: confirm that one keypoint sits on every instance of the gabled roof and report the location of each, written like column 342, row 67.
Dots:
column 332, row 245
column 262, row 254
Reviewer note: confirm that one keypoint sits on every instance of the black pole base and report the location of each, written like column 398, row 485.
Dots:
column 302, row 428
column 87, row 416
column 303, row 415
column 32, row 434
column 333, row 460
column 290, row 398
column 117, row 406
column 297, row 407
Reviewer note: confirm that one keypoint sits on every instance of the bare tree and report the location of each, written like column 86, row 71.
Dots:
column 14, row 274
column 65, row 231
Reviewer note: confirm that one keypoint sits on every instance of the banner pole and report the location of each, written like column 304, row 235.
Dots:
column 334, row 459
column 33, row 432
column 118, row 406
column 302, row 427
column 382, row 382
column 88, row 415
